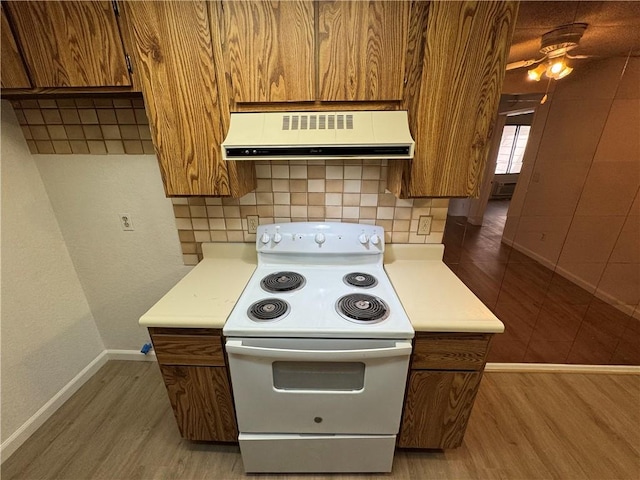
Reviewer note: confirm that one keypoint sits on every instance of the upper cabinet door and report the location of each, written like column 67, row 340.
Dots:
column 464, row 66
column 178, row 61
column 12, row 70
column 270, row 50
column 454, row 105
column 70, row 43
column 362, row 49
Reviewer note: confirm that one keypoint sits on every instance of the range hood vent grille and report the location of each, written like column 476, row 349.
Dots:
column 318, row 135
column 317, row 122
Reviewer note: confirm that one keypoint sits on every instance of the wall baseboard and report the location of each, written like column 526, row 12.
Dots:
column 537, row 257
column 11, row 444
column 560, row 368
column 28, row 428
column 593, row 289
column 134, row 355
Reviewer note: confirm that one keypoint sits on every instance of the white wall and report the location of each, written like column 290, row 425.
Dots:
column 123, row 273
column 47, row 330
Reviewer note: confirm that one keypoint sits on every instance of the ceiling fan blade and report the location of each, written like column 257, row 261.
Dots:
column 579, row 57
column 523, row 63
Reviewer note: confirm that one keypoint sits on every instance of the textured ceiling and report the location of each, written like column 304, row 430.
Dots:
column 613, row 27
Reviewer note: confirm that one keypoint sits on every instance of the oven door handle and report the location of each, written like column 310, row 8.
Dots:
column 400, row 349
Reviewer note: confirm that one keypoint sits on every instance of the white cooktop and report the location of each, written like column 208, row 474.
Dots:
column 343, row 249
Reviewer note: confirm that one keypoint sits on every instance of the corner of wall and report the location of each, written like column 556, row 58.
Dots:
column 48, row 332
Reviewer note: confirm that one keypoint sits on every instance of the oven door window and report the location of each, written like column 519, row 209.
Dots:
column 319, row 376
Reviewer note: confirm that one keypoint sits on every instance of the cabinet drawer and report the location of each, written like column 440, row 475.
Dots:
column 188, row 349
column 450, row 351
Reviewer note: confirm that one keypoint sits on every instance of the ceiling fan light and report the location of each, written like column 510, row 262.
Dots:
column 566, row 71
column 536, row 73
column 556, row 67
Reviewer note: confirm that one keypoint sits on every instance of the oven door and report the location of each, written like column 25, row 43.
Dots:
column 334, row 386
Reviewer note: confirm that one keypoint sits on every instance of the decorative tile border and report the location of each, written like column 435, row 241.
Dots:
column 298, row 191
column 82, row 125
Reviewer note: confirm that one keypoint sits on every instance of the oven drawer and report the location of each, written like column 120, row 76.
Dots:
column 316, row 453
column 317, row 385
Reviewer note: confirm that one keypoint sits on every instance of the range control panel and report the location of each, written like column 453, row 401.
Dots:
column 320, row 237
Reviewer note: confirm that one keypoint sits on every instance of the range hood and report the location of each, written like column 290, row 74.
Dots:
column 318, row 135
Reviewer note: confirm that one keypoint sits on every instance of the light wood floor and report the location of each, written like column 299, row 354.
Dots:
column 119, row 425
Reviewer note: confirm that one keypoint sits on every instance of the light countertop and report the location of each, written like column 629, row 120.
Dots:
column 205, row 297
column 433, row 297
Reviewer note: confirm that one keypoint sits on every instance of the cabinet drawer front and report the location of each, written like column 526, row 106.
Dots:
column 188, row 349
column 450, row 352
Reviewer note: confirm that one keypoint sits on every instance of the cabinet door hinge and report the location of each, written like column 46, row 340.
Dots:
column 127, row 59
column 116, row 9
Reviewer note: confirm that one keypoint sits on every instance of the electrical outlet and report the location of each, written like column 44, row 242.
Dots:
column 252, row 223
column 126, row 222
column 424, row 225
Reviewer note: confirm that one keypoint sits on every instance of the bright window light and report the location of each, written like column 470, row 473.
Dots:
column 512, row 147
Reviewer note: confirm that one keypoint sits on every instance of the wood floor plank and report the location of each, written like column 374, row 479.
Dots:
column 119, row 425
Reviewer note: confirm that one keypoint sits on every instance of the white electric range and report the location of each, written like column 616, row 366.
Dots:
column 318, row 346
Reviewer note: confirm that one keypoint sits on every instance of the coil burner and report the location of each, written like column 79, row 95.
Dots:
column 361, row 308
column 268, row 309
column 282, row 282
column 359, row 279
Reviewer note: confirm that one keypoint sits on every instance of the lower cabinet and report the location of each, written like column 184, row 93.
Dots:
column 437, row 408
column 201, row 401
column 196, row 377
column 445, row 375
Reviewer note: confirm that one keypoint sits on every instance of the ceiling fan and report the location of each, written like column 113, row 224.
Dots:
column 554, row 46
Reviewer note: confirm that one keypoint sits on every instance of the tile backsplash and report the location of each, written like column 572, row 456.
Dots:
column 299, row 191
column 85, row 125
column 287, row 191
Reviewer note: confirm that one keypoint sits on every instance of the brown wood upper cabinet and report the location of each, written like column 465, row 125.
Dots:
column 197, row 60
column 361, row 49
column 13, row 71
column 278, row 52
column 452, row 108
column 179, row 63
column 70, row 43
column 270, row 48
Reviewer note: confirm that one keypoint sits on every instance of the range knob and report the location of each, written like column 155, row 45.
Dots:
column 363, row 239
column 375, row 239
column 320, row 238
column 276, row 236
column 265, row 238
